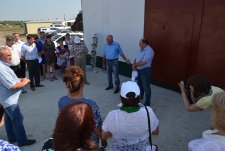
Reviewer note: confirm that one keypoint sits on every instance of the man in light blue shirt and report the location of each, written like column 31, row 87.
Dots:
column 10, row 90
column 142, row 64
column 111, row 52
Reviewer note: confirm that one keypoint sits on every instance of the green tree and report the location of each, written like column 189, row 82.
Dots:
column 78, row 24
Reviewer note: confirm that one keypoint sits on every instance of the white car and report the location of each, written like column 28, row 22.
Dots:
column 60, row 26
column 53, row 30
column 43, row 29
column 55, row 39
column 65, row 31
column 47, row 30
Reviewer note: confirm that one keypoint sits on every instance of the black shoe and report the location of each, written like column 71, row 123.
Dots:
column 12, row 142
column 24, row 91
column 117, row 90
column 33, row 88
column 28, row 142
column 109, row 87
column 39, row 85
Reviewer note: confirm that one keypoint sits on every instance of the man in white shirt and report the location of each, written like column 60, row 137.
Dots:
column 17, row 47
column 15, row 61
column 21, row 73
column 29, row 53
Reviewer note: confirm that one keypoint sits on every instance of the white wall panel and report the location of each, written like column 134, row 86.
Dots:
column 124, row 19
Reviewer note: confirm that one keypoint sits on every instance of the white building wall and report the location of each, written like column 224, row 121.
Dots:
column 124, row 19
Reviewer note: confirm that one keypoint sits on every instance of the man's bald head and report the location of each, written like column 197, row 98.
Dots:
column 109, row 39
column 5, row 54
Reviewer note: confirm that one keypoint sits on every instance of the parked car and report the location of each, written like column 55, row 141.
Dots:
column 50, row 31
column 55, row 39
column 65, row 31
column 60, row 26
column 53, row 30
column 43, row 29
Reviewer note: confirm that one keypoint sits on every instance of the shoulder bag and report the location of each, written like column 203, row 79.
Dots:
column 152, row 146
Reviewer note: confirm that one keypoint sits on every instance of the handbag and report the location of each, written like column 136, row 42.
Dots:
column 153, row 147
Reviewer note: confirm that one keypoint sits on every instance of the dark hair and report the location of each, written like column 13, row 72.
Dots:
column 35, row 37
column 131, row 100
column 74, row 128
column 48, row 36
column 201, row 85
column 62, row 39
column 42, row 32
column 73, row 78
column 29, row 37
column 1, row 112
column 145, row 41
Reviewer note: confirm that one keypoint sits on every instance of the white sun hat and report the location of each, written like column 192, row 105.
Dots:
column 129, row 86
column 77, row 39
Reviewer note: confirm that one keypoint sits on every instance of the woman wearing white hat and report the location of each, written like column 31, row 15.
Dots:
column 130, row 130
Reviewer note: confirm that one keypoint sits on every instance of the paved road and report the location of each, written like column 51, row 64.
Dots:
column 177, row 126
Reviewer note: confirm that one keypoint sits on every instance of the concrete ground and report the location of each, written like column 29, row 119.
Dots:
column 177, row 126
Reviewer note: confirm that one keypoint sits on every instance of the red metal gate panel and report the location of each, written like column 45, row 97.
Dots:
column 170, row 28
column 188, row 37
column 211, row 54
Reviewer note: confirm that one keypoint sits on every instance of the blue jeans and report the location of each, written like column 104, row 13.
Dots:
column 144, row 80
column 113, row 67
column 14, row 125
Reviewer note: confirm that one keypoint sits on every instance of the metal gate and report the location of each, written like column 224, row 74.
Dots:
column 188, row 37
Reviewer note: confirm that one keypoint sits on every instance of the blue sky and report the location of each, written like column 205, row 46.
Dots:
column 39, row 9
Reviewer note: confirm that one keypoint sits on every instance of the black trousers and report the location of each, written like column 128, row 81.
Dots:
column 34, row 72
column 20, row 70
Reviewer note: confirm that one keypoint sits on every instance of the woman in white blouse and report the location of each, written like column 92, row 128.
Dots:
column 213, row 140
column 126, row 129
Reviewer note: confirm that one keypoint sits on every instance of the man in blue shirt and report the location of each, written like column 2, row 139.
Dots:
column 142, row 64
column 39, row 44
column 111, row 52
column 10, row 90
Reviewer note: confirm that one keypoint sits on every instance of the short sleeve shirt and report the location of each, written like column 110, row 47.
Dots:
column 81, row 49
column 129, row 128
column 145, row 55
column 70, row 44
column 112, row 51
column 65, row 100
column 7, row 80
column 206, row 102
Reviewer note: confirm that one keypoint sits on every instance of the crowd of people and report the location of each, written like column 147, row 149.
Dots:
column 79, row 125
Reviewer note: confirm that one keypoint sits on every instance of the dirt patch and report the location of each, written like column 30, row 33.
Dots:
column 2, row 38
